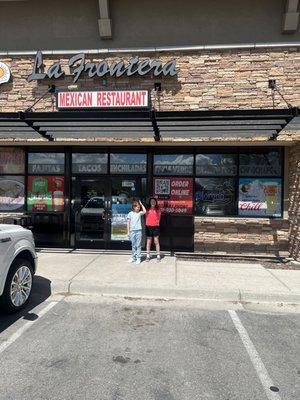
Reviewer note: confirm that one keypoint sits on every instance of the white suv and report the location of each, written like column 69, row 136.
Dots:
column 18, row 263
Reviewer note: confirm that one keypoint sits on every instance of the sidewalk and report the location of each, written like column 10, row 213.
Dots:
column 110, row 274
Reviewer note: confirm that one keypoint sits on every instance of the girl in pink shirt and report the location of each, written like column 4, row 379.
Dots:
column 153, row 215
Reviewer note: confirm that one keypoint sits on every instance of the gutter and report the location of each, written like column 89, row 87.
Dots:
column 163, row 49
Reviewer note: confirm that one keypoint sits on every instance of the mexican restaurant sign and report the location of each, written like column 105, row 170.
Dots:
column 79, row 66
column 103, row 99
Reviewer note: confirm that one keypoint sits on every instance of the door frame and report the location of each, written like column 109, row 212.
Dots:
column 105, row 243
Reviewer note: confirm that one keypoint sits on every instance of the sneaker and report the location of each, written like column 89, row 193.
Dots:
column 148, row 257
column 158, row 258
column 138, row 261
column 131, row 260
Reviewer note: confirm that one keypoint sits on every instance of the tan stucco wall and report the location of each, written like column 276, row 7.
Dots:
column 73, row 24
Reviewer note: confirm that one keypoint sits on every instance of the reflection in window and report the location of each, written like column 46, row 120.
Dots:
column 215, row 196
column 128, row 163
column 95, row 163
column 260, row 163
column 12, row 161
column 46, row 163
column 216, row 164
column 173, row 164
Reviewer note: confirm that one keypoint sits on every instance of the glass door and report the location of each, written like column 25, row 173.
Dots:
column 101, row 206
column 124, row 191
column 91, row 212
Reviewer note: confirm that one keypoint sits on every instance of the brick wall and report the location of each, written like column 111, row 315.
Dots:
column 294, row 201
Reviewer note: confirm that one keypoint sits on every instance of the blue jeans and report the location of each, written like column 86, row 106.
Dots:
column 136, row 243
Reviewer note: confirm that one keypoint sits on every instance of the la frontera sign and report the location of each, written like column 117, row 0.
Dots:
column 78, row 65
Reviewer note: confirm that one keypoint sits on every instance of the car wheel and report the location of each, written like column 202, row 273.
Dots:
column 18, row 286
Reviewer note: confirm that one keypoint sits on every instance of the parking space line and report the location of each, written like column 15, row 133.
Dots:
column 254, row 357
column 24, row 328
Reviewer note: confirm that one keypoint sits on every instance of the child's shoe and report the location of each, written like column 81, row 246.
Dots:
column 148, row 257
column 138, row 261
column 131, row 260
column 158, row 258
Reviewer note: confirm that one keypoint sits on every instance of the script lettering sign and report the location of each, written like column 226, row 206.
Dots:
column 78, row 66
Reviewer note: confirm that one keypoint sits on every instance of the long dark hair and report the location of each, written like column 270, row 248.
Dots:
column 156, row 204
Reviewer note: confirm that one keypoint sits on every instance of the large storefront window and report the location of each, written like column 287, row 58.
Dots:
column 45, row 188
column 173, row 164
column 12, row 185
column 12, row 193
column 46, row 194
column 128, row 163
column 215, row 196
column 94, row 163
column 257, row 191
column 260, row 197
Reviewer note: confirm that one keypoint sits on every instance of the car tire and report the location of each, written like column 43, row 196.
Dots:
column 18, row 286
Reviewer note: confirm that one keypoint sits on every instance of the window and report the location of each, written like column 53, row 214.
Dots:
column 128, row 163
column 12, row 161
column 46, row 194
column 173, row 164
column 216, row 164
column 215, row 196
column 12, row 185
column 260, row 197
column 266, row 162
column 94, row 163
column 247, row 182
column 12, row 193
column 46, row 163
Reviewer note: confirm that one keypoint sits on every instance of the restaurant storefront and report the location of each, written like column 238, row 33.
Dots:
column 225, row 171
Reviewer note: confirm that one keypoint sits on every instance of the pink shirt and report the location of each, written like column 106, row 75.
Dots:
column 153, row 217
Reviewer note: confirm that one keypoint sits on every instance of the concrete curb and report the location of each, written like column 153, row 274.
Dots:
column 86, row 288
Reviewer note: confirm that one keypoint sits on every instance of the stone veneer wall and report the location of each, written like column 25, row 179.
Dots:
column 241, row 235
column 294, row 201
column 206, row 80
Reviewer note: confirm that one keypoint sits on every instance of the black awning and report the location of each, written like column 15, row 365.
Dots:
column 224, row 123
column 91, row 125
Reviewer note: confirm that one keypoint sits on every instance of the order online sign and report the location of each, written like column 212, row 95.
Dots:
column 174, row 195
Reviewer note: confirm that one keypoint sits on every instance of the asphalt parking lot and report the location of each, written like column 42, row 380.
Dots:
column 90, row 347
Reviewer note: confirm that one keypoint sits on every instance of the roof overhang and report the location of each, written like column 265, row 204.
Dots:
column 167, row 126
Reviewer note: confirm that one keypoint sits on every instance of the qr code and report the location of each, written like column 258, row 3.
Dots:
column 162, row 186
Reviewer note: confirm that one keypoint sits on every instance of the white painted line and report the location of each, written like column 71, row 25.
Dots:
column 24, row 328
column 254, row 357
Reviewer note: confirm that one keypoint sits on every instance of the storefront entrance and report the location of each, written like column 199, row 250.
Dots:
column 100, row 206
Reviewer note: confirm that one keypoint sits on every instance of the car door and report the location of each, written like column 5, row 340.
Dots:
column 5, row 255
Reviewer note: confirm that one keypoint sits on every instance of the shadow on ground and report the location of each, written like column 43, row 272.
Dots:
column 41, row 292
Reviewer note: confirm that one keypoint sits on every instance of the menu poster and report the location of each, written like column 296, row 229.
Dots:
column 12, row 193
column 46, row 193
column 260, row 197
column 119, row 221
column 174, row 195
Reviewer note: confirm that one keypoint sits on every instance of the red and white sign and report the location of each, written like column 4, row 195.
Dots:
column 103, row 99
column 174, row 195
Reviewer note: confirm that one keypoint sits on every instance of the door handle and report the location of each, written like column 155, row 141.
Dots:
column 5, row 240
